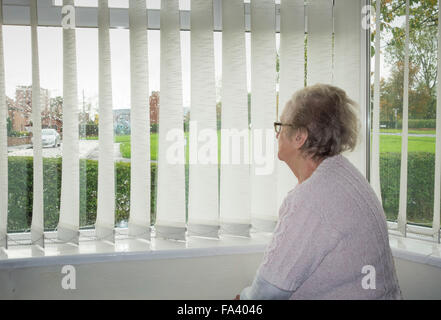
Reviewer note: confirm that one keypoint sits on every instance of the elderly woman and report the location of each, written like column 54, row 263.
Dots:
column 331, row 240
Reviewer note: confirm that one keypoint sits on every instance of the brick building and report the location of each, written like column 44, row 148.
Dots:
column 23, row 97
column 154, row 107
column 20, row 110
column 20, row 116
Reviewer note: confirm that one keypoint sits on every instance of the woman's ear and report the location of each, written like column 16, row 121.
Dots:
column 300, row 138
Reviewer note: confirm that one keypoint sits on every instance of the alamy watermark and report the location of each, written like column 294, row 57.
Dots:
column 368, row 281
column 234, row 147
column 68, row 17
column 69, row 281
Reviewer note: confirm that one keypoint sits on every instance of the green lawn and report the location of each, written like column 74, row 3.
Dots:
column 415, row 144
column 387, row 143
column 121, row 139
column 117, row 138
column 125, row 146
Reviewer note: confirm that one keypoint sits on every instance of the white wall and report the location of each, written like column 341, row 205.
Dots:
column 417, row 280
column 212, row 277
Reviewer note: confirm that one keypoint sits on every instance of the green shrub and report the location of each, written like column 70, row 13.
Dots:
column 8, row 126
column 420, row 185
column 18, row 134
column 89, row 129
column 422, row 123
column 154, row 128
column 419, row 198
column 19, row 189
column 20, row 171
column 413, row 124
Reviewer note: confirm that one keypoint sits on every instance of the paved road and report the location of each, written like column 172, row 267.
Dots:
column 94, row 154
column 88, row 149
column 85, row 148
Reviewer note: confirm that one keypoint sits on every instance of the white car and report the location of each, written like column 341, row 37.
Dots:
column 49, row 138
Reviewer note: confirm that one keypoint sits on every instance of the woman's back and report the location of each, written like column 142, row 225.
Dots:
column 331, row 241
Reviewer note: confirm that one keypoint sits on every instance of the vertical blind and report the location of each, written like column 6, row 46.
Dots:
column 139, row 220
column 263, row 114
column 319, row 41
column 375, row 159
column 68, row 226
column 235, row 201
column 203, row 203
column 170, row 211
column 292, row 57
column 105, row 218
column 348, row 66
column 230, row 196
column 437, row 196
column 37, row 227
column 3, row 144
column 402, row 210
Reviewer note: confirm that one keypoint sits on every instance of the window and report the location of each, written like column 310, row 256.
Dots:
column 407, row 112
column 325, row 27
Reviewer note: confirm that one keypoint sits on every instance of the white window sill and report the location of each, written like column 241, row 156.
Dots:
column 124, row 249
column 416, row 250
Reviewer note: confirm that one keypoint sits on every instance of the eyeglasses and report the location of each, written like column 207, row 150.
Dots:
column 278, row 126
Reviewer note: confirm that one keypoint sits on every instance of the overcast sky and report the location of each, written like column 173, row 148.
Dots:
column 17, row 47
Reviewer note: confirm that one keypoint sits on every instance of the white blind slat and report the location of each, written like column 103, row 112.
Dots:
column 235, row 178
column 68, row 226
column 319, row 21
column 37, row 226
column 105, row 219
column 348, row 66
column 292, row 75
column 402, row 211
column 139, row 221
column 203, row 209
column 375, row 158
column 170, row 214
column 437, row 195
column 3, row 144
column 263, row 114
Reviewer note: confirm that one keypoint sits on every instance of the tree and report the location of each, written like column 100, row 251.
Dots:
column 423, row 25
column 56, row 106
column 392, row 92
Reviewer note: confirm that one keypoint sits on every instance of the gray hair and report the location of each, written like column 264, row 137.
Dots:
column 328, row 115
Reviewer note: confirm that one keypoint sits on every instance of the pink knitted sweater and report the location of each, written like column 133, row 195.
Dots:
column 331, row 241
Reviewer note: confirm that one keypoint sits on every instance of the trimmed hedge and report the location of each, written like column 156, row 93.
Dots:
column 20, row 171
column 421, row 170
column 89, row 129
column 420, row 185
column 413, row 124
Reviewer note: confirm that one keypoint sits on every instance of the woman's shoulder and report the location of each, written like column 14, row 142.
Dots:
column 335, row 184
column 331, row 172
